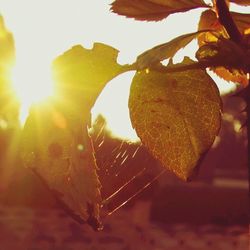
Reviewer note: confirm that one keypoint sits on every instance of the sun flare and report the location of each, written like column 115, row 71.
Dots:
column 32, row 83
column 40, row 38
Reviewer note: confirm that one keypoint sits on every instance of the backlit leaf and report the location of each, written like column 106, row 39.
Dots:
column 209, row 20
column 226, row 59
column 176, row 115
column 153, row 10
column 80, row 74
column 165, row 50
column 241, row 2
column 56, row 144
column 8, row 101
column 232, row 75
column 9, row 109
column 57, row 148
column 242, row 21
column 7, row 48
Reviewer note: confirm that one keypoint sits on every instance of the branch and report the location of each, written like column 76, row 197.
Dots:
column 247, row 100
column 227, row 21
column 179, row 67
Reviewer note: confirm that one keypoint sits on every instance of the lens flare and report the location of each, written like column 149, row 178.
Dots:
column 32, row 83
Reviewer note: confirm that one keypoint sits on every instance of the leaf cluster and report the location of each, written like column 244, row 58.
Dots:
column 175, row 109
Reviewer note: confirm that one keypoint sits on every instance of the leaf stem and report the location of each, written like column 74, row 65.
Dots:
column 247, row 100
column 179, row 67
column 227, row 21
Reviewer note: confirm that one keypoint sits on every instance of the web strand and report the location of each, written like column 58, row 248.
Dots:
column 136, row 193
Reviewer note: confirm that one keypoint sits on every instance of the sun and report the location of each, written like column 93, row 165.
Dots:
column 113, row 105
column 32, row 82
column 40, row 38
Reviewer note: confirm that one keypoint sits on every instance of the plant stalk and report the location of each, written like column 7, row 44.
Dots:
column 247, row 101
column 227, row 21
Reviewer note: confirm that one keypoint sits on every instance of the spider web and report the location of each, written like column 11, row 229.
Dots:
column 125, row 169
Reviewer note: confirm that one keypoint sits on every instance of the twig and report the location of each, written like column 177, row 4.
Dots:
column 179, row 67
column 247, row 100
column 227, row 21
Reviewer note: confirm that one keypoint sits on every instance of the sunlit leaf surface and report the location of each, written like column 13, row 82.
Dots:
column 176, row 115
column 153, row 10
column 56, row 144
column 165, row 50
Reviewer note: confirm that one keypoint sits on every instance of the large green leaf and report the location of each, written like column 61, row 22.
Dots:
column 55, row 141
column 176, row 115
column 153, row 10
column 165, row 50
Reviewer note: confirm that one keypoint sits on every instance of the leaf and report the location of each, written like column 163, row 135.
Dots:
column 176, row 115
column 241, row 2
column 165, row 50
column 242, row 21
column 80, row 74
column 55, row 140
column 8, row 101
column 226, row 59
column 153, row 10
column 232, row 75
column 58, row 149
column 7, row 48
column 9, row 109
column 209, row 20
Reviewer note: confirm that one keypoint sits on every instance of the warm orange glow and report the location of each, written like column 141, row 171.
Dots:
column 40, row 38
column 113, row 105
column 32, row 83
